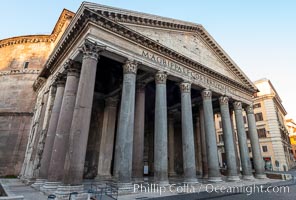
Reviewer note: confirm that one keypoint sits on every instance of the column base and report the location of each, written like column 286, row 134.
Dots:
column 260, row 176
column 162, row 183
column 125, row 188
column 28, row 181
column 172, row 174
column 103, row 178
column 138, row 180
column 233, row 178
column 215, row 179
column 248, row 177
column 38, row 183
column 63, row 192
column 50, row 187
column 205, row 176
column 190, row 181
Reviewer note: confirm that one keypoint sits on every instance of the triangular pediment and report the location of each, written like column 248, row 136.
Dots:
column 188, row 39
column 188, row 44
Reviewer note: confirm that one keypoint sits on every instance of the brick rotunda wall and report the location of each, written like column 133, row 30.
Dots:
column 20, row 64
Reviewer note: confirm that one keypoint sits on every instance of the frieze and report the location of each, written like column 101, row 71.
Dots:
column 195, row 77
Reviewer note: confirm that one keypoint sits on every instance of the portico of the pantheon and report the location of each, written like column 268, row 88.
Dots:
column 124, row 91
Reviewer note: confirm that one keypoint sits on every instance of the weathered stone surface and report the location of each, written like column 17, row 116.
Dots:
column 17, row 98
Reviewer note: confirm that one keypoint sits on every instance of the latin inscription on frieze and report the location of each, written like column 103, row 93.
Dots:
column 196, row 78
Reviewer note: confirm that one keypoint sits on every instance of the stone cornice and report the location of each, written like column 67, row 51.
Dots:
column 19, row 71
column 86, row 15
column 66, row 14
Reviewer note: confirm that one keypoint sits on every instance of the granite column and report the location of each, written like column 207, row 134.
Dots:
column 55, row 173
column 232, row 174
column 107, row 138
column 187, row 134
column 160, row 131
column 51, row 132
column 125, row 129
column 75, row 156
column 139, row 128
column 211, row 142
column 171, row 146
column 257, row 157
column 242, row 140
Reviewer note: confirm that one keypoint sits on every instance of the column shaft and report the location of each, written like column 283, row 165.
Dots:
column 60, row 146
column 205, row 170
column 257, row 157
column 125, row 129
column 212, row 151
column 160, row 131
column 228, row 140
column 198, row 147
column 187, row 134
column 242, row 140
column 171, row 146
column 51, row 132
column 75, row 157
column 107, row 138
column 139, row 128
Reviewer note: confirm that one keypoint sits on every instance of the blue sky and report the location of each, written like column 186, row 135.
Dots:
column 259, row 35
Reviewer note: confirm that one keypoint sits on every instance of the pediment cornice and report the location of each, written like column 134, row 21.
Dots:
column 113, row 22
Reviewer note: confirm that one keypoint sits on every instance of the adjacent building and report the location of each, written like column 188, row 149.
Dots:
column 291, row 126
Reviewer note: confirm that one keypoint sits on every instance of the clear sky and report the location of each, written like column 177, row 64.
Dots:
column 259, row 35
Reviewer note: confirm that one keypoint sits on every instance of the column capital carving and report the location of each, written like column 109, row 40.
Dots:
column 160, row 77
column 59, row 80
column 140, row 87
column 206, row 94
column 250, row 109
column 72, row 67
column 130, row 67
column 237, row 105
column 111, row 101
column 223, row 100
column 91, row 50
column 185, row 87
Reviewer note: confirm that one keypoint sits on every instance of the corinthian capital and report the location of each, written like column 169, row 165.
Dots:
column 185, row 87
column 237, row 105
column 60, row 79
column 130, row 67
column 160, row 77
column 206, row 94
column 223, row 100
column 72, row 67
column 91, row 50
column 249, row 109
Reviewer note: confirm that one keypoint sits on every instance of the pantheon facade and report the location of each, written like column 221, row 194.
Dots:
column 124, row 95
